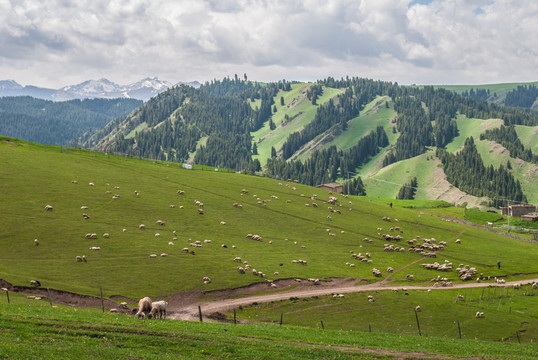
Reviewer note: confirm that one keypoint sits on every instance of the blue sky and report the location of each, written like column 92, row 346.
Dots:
column 60, row 42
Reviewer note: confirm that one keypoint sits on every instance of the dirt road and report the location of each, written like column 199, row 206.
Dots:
column 190, row 312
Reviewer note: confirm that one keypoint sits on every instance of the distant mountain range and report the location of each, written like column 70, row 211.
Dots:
column 90, row 89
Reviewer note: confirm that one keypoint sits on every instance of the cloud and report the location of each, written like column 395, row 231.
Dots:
column 60, row 42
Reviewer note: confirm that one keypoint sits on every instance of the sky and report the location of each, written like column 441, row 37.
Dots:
column 54, row 43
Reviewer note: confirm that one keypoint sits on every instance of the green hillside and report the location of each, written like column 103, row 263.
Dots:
column 32, row 329
column 300, row 112
column 35, row 176
column 499, row 89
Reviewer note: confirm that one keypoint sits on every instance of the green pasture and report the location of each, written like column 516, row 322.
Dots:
column 507, row 311
column 528, row 137
column 32, row 329
column 35, row 175
column 299, row 109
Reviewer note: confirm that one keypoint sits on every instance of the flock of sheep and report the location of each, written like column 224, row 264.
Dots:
column 427, row 247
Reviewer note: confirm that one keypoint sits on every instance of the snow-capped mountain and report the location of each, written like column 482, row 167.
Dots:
column 102, row 88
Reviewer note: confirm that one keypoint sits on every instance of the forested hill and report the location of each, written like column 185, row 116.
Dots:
column 328, row 131
column 58, row 123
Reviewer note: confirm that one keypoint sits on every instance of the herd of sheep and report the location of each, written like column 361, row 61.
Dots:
column 427, row 247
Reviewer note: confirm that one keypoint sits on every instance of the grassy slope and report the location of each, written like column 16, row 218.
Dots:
column 499, row 89
column 385, row 182
column 393, row 312
column 374, row 114
column 35, row 176
column 33, row 330
column 528, row 136
column 297, row 105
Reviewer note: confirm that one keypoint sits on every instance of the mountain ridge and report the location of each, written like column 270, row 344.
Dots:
column 143, row 89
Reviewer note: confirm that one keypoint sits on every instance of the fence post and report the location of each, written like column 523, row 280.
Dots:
column 369, row 327
column 459, row 328
column 281, row 315
column 235, row 318
column 7, row 294
column 200, row 313
column 518, row 339
column 418, row 324
column 102, row 300
column 50, row 297
column 322, row 326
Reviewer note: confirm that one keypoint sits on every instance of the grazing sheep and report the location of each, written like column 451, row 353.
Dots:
column 124, row 230
column 223, row 222
column 79, row 258
column 83, row 207
column 49, row 208
column 85, row 216
column 153, row 256
column 172, row 206
column 170, row 243
column 35, row 283
column 144, row 307
column 95, row 248
column 74, row 182
column 91, row 184
column 185, row 250
column 36, row 242
column 160, row 222
column 141, row 226
column 458, row 241
column 240, row 269
column 418, row 308
column 158, row 309
column 84, row 258
column 201, row 211
column 479, row 314
column 371, row 298
column 164, row 255
column 206, row 280
column 106, row 235
column 181, row 192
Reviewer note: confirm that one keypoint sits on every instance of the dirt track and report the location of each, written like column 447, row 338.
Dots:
column 190, row 312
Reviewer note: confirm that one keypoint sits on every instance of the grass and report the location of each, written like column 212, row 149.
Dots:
column 506, row 310
column 298, row 108
column 36, row 175
column 34, row 330
column 527, row 135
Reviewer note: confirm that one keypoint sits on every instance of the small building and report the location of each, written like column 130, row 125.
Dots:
column 334, row 187
column 530, row 217
column 518, row 210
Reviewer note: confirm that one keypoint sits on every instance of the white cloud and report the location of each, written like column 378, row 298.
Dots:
column 60, row 42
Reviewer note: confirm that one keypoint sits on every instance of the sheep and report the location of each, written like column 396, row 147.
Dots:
column 160, row 222
column 158, row 309
column 240, row 269
column 35, row 283
column 223, row 222
column 371, row 298
column 170, row 243
column 83, row 207
column 36, row 242
column 181, row 192
column 201, row 211
column 237, row 259
column 206, row 280
column 123, row 305
column 164, row 255
column 114, row 310
column 74, row 182
column 141, row 226
column 48, row 208
column 458, row 241
column 479, row 314
column 91, row 184
column 137, row 194
column 409, row 277
column 172, row 206
column 95, row 248
column 418, row 308
column 153, row 256
column 106, row 235
column 144, row 307
column 79, row 258
column 84, row 258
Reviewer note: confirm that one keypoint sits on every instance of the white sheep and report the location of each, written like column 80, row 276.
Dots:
column 79, row 258
column 158, row 309
column 144, row 307
column 36, row 242
column 49, row 208
column 418, row 308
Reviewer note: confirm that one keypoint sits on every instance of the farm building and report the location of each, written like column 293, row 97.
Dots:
column 334, row 187
column 530, row 217
column 518, row 210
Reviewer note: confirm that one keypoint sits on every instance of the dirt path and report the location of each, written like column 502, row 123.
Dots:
column 190, row 312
